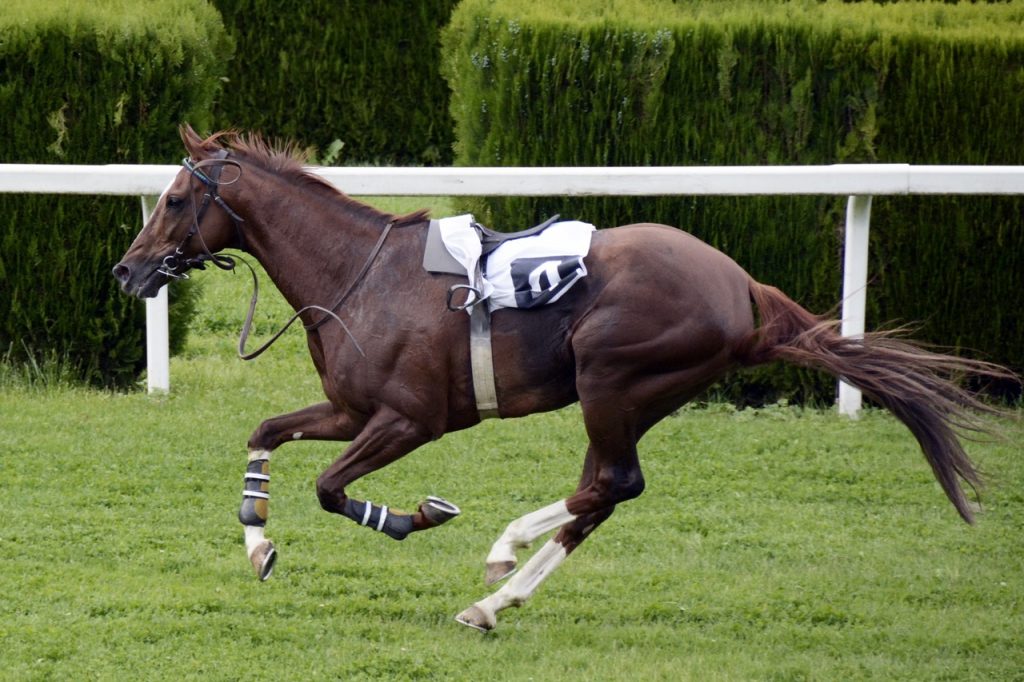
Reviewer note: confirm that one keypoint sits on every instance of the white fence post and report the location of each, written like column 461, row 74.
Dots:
column 855, row 287
column 158, row 362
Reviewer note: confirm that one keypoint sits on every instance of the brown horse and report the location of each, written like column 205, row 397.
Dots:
column 659, row 318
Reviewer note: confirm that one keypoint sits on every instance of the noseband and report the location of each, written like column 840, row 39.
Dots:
column 176, row 265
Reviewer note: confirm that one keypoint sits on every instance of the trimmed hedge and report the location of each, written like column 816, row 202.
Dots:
column 100, row 82
column 365, row 73
column 619, row 82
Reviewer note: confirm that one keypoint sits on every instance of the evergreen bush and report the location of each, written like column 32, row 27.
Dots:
column 92, row 83
column 362, row 73
column 625, row 82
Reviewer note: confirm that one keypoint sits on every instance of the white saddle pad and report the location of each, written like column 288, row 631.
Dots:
column 521, row 273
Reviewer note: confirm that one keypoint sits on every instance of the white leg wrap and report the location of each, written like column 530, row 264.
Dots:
column 253, row 538
column 523, row 531
column 527, row 580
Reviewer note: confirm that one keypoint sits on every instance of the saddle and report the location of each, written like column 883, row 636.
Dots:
column 492, row 239
column 436, row 257
column 535, row 268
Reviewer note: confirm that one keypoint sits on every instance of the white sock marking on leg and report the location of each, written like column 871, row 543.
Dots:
column 258, row 454
column 253, row 538
column 523, row 531
column 524, row 583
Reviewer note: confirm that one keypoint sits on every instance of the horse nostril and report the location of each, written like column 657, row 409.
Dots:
column 122, row 272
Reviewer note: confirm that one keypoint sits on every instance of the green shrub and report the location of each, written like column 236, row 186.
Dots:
column 620, row 82
column 100, row 82
column 365, row 73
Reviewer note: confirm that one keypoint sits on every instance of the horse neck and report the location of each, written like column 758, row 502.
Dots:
column 310, row 243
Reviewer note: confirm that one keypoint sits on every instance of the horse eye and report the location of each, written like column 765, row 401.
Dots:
column 174, row 202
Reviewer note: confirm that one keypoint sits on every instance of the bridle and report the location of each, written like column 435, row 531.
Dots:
column 176, row 265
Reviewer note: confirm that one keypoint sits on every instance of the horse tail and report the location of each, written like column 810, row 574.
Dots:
column 915, row 384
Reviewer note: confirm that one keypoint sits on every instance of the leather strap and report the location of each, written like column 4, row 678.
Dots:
column 359, row 278
column 329, row 313
column 481, row 360
column 243, row 337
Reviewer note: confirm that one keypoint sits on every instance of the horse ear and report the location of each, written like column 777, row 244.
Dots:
column 197, row 147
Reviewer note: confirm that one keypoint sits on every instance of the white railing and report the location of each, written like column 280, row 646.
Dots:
column 858, row 182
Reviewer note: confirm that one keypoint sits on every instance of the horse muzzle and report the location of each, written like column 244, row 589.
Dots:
column 140, row 282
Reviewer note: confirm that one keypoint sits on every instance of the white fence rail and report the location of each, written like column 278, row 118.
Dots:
column 840, row 180
column 859, row 182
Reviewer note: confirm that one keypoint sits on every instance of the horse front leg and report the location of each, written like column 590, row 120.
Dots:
column 386, row 437
column 318, row 422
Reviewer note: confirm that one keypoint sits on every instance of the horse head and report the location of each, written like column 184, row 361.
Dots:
column 190, row 224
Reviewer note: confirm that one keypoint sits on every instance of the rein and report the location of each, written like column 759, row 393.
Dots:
column 329, row 313
column 173, row 263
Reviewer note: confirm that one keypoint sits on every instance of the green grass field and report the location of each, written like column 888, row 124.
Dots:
column 774, row 544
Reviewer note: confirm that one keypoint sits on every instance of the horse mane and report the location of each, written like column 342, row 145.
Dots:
column 291, row 161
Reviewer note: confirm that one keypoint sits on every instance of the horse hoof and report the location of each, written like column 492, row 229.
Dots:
column 437, row 510
column 477, row 618
column 498, row 571
column 263, row 559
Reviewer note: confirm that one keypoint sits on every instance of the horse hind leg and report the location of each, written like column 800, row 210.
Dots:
column 605, row 482
column 501, row 561
column 483, row 614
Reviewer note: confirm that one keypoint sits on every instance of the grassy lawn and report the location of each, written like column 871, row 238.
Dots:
column 774, row 544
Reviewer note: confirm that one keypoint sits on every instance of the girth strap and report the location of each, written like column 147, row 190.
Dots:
column 481, row 361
